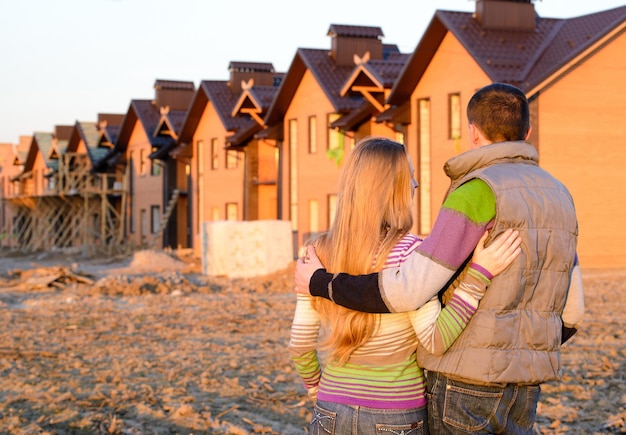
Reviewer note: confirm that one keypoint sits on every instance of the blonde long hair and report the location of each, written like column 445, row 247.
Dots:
column 373, row 212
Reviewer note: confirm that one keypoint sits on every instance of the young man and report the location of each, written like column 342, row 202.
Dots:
column 491, row 375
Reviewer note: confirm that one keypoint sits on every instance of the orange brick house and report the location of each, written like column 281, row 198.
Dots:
column 320, row 124
column 8, row 170
column 88, row 144
column 572, row 72
column 34, row 187
column 12, row 158
column 260, row 151
column 214, row 145
column 150, row 129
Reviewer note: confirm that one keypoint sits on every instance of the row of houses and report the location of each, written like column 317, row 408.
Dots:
column 268, row 145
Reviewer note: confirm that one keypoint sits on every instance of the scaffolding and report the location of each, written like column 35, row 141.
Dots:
column 84, row 210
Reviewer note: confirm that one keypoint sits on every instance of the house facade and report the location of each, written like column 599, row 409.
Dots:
column 314, row 141
column 569, row 70
column 265, row 145
column 149, row 129
column 218, row 169
column 12, row 160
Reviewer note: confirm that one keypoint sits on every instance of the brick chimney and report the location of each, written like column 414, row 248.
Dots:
column 346, row 41
column 262, row 73
column 506, row 14
column 63, row 132
column 177, row 95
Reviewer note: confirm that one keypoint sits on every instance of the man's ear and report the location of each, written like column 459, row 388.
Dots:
column 530, row 129
column 474, row 136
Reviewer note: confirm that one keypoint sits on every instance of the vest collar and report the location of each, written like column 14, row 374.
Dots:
column 501, row 152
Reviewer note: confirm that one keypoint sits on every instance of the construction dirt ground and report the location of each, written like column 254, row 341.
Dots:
column 147, row 344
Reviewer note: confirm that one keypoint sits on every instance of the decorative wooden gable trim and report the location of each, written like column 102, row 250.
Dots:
column 248, row 103
column 365, row 82
column 104, row 141
column 164, row 127
column 54, row 152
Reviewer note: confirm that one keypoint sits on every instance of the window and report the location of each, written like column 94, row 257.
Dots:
column 215, row 214
column 335, row 141
column 200, row 189
column 335, row 137
column 144, row 225
column 214, row 154
column 155, row 218
column 454, row 116
column 314, row 216
column 231, row 211
column 231, row 159
column 155, row 167
column 312, row 134
column 399, row 137
column 293, row 173
column 423, row 167
column 351, row 141
column 142, row 162
column 332, row 209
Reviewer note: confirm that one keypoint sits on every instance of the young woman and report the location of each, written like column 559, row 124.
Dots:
column 371, row 382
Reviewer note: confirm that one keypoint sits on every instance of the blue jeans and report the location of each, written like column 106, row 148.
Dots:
column 459, row 408
column 336, row 418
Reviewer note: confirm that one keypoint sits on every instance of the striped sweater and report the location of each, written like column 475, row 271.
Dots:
column 382, row 373
column 464, row 216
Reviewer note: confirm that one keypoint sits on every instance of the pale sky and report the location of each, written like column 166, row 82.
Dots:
column 63, row 61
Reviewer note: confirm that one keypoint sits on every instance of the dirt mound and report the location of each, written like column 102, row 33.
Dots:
column 156, row 261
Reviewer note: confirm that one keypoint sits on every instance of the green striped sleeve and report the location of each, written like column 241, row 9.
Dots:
column 475, row 199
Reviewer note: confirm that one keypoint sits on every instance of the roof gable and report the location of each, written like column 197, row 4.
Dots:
column 21, row 150
column 166, row 132
column 521, row 58
column 330, row 77
column 373, row 79
column 254, row 101
column 147, row 115
column 41, row 144
column 223, row 99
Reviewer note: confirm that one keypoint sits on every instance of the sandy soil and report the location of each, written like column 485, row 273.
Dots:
column 149, row 345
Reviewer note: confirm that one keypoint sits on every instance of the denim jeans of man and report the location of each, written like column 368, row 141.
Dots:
column 336, row 418
column 459, row 408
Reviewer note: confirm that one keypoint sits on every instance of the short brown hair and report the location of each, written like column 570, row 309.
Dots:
column 500, row 111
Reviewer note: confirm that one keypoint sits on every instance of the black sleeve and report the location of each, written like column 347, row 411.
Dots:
column 360, row 293
column 567, row 333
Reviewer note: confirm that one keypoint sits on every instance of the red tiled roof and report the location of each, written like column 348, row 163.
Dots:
column 41, row 142
column 224, row 99
column 574, row 37
column 176, row 119
column 387, row 71
column 264, row 95
column 330, row 76
column 522, row 58
column 148, row 115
